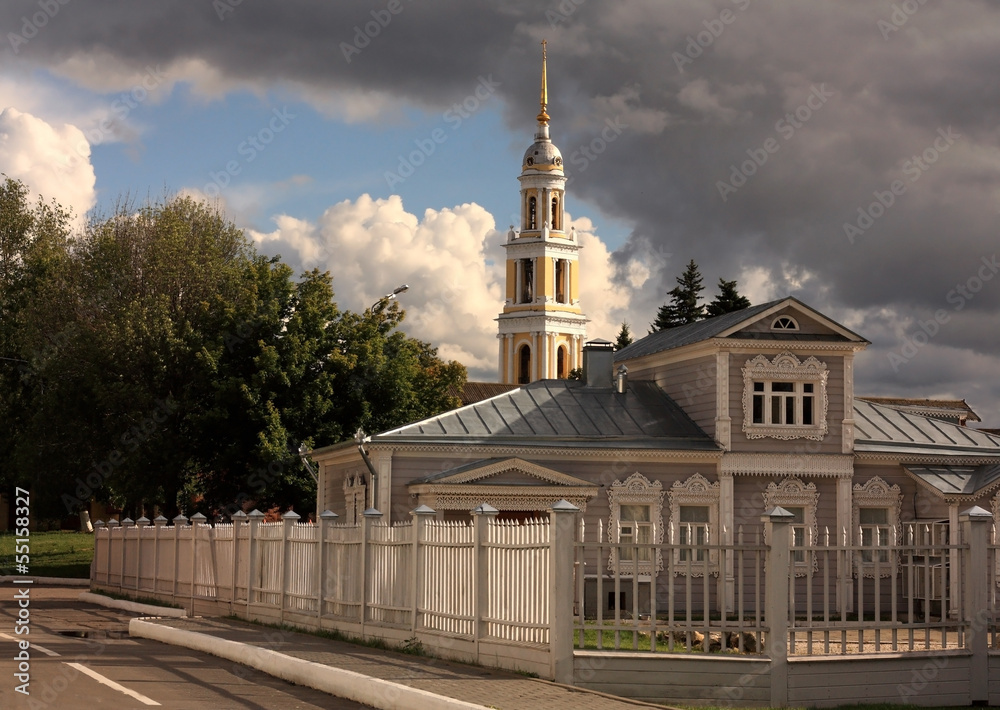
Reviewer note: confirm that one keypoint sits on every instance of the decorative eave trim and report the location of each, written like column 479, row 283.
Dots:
column 790, row 464
column 482, row 450
column 533, row 247
column 778, row 346
column 935, row 459
column 480, row 474
column 460, row 489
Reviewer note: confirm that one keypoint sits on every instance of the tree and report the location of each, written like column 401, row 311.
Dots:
column 728, row 300
column 624, row 338
column 683, row 307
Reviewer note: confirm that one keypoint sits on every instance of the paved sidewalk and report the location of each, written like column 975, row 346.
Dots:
column 480, row 686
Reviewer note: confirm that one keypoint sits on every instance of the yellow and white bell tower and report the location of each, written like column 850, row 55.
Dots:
column 541, row 328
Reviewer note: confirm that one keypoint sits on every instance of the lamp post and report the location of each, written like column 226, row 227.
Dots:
column 380, row 303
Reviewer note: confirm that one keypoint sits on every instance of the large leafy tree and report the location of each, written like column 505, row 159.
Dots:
column 683, row 306
column 189, row 367
column 728, row 300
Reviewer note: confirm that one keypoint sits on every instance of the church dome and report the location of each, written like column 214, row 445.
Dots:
column 543, row 156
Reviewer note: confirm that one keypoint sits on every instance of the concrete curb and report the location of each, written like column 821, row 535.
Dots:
column 54, row 581
column 378, row 693
column 133, row 607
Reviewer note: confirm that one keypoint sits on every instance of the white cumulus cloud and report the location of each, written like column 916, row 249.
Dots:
column 52, row 161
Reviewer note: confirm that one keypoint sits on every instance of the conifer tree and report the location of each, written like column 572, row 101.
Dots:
column 624, row 338
column 683, row 307
column 728, row 300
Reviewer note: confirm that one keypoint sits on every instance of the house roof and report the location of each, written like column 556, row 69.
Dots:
column 478, row 471
column 553, row 412
column 881, row 428
column 726, row 324
column 958, row 480
column 945, row 407
column 472, row 392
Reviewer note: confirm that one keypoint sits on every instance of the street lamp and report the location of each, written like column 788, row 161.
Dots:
column 380, row 303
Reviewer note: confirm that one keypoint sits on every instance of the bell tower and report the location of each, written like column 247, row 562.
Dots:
column 541, row 328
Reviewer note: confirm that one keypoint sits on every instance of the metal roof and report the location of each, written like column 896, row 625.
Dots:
column 952, row 408
column 564, row 411
column 715, row 327
column 880, row 428
column 957, row 480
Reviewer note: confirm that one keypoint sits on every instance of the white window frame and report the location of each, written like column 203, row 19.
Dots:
column 794, row 326
column 876, row 493
column 636, row 490
column 785, row 367
column 795, row 493
column 695, row 491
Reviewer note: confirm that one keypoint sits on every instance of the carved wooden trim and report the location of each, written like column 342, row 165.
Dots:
column 636, row 490
column 696, row 490
column 784, row 367
column 876, row 493
column 794, row 492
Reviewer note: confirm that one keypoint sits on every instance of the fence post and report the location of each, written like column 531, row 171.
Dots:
column 562, row 556
column 976, row 529
column 238, row 518
column 94, row 566
column 420, row 515
column 127, row 524
column 369, row 518
column 778, row 563
column 158, row 522
column 179, row 522
column 482, row 515
column 326, row 518
column 112, row 526
column 196, row 520
column 288, row 519
column 255, row 517
column 141, row 524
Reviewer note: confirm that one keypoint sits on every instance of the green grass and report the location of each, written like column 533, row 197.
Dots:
column 152, row 601
column 52, row 554
column 626, row 640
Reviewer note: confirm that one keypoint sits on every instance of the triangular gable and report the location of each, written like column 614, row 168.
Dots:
column 797, row 310
column 493, row 470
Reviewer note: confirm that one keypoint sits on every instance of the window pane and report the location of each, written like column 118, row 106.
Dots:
column 808, row 387
column 782, row 386
column 789, row 410
column 874, row 516
column 758, row 409
column 799, row 513
column 807, row 410
column 776, row 410
column 758, row 386
column 636, row 513
column 694, row 513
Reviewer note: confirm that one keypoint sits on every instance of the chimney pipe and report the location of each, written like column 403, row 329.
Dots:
column 599, row 363
column 621, row 381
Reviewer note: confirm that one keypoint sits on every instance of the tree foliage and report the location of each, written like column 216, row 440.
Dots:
column 683, row 307
column 728, row 300
column 170, row 364
column 624, row 338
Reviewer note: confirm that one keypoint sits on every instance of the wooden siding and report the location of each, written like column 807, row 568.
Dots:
column 690, row 383
column 807, row 325
column 831, row 443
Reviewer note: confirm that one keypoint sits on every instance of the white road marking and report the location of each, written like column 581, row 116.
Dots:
column 111, row 684
column 34, row 646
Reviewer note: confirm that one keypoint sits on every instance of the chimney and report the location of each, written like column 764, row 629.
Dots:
column 621, row 381
column 598, row 363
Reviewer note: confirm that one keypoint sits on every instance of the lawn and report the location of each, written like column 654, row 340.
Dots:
column 52, row 554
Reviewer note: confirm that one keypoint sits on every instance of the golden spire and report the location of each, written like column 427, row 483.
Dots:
column 543, row 117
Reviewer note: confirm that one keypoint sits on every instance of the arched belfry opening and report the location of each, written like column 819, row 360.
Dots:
column 524, row 365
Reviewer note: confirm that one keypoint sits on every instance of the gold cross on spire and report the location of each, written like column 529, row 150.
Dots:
column 543, row 117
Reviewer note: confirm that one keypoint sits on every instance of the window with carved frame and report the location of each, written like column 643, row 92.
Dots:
column 694, row 520
column 785, row 398
column 636, row 519
column 875, row 509
column 800, row 499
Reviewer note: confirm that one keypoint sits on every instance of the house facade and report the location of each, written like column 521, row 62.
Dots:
column 684, row 437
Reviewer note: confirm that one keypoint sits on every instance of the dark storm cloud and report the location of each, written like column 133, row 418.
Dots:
column 879, row 115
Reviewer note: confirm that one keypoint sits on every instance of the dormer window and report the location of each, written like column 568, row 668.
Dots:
column 784, row 398
column 784, row 323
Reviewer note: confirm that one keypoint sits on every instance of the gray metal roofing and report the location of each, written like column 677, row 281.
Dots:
column 690, row 333
column 957, row 480
column 883, row 428
column 568, row 411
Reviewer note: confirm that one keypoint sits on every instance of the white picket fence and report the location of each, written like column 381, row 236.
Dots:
column 477, row 592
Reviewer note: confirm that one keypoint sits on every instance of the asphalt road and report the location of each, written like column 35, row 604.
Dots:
column 81, row 658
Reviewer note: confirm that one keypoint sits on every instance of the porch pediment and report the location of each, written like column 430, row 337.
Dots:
column 506, row 484
column 507, row 471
